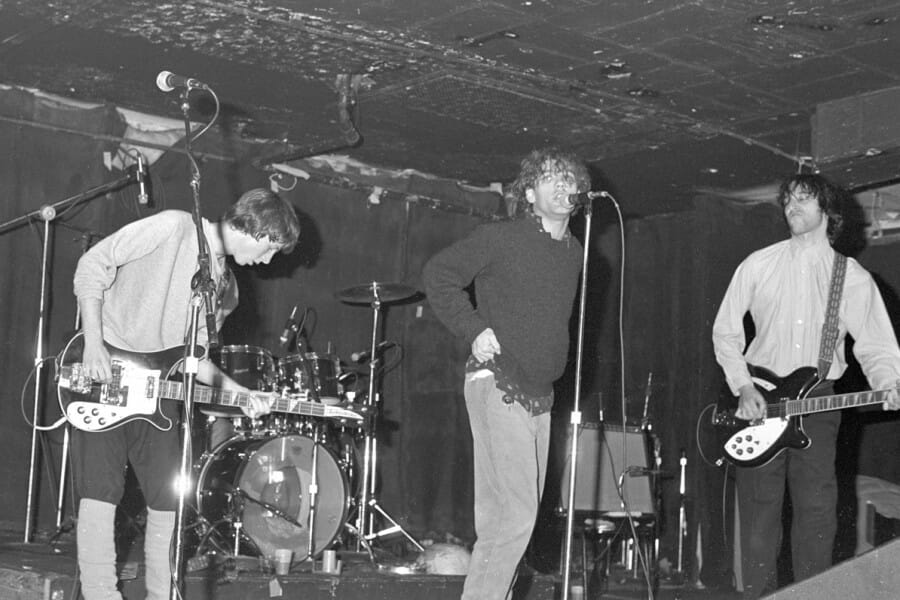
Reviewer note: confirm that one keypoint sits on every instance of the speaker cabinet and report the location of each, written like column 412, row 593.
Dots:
column 603, row 453
column 873, row 576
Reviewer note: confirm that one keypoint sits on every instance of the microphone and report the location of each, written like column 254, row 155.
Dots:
column 584, row 198
column 361, row 357
column 143, row 198
column 289, row 327
column 167, row 81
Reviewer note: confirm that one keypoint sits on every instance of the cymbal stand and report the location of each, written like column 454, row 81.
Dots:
column 364, row 522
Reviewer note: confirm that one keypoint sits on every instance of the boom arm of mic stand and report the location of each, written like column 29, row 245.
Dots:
column 48, row 213
column 575, row 420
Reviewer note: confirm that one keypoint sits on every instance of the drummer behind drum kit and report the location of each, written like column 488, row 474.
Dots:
column 291, row 481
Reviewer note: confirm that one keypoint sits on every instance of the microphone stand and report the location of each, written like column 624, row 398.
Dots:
column 575, row 418
column 203, row 292
column 47, row 214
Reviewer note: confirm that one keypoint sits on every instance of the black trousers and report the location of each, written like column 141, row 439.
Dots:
column 811, row 480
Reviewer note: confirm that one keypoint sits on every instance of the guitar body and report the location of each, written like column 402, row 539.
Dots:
column 137, row 385
column 132, row 394
column 753, row 444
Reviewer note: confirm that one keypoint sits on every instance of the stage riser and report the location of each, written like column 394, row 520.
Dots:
column 25, row 585
column 872, row 576
column 375, row 587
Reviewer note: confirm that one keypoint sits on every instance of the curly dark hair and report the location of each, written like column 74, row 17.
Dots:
column 549, row 161
column 259, row 212
column 831, row 198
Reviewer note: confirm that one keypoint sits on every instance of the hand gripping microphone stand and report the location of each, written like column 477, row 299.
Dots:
column 203, row 294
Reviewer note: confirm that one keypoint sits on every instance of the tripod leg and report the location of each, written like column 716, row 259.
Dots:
column 393, row 529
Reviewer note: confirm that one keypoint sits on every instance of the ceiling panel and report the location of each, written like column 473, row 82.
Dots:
column 463, row 89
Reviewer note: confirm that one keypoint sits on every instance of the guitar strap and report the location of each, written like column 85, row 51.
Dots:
column 830, row 326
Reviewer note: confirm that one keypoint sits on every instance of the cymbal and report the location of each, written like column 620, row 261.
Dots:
column 370, row 292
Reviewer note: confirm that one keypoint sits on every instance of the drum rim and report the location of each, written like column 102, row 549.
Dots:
column 246, row 348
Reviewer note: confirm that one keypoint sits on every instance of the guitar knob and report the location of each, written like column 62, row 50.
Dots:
column 102, row 421
column 80, row 410
column 87, row 420
column 749, row 438
column 739, row 440
column 739, row 451
column 750, row 450
column 95, row 412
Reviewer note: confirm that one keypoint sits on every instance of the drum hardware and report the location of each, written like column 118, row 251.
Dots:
column 375, row 295
column 273, row 492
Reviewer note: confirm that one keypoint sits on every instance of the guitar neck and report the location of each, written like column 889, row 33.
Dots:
column 804, row 406
column 295, row 404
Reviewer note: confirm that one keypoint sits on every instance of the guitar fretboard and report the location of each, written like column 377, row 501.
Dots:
column 295, row 403
column 804, row 406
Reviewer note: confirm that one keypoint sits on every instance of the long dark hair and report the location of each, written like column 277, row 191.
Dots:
column 832, row 199
column 548, row 161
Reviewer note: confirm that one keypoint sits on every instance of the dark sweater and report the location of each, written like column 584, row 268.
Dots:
column 525, row 283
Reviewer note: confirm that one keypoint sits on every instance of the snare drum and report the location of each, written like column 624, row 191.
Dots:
column 250, row 366
column 316, row 373
column 264, row 484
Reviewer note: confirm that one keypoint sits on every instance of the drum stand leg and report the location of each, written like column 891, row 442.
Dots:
column 394, row 528
column 365, row 523
column 313, row 492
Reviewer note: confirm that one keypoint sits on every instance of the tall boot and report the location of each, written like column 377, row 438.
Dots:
column 97, row 550
column 157, row 548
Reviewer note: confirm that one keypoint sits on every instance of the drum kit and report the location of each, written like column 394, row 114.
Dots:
column 290, row 481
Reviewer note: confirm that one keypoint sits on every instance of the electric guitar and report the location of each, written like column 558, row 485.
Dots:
column 755, row 443
column 137, row 386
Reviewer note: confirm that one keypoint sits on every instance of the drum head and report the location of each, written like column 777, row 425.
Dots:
column 274, row 484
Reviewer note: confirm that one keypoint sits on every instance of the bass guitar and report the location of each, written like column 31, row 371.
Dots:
column 755, row 443
column 137, row 385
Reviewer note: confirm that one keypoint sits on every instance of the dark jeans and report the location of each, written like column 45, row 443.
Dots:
column 812, row 483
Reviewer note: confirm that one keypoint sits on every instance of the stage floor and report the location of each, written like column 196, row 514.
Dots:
column 45, row 569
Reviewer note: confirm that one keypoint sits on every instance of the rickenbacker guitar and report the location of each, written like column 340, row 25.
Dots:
column 753, row 444
column 137, row 386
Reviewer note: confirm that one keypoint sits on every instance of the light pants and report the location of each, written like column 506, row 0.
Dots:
column 97, row 551
column 510, row 461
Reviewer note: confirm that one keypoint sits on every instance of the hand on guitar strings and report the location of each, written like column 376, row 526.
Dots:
column 751, row 404
column 893, row 398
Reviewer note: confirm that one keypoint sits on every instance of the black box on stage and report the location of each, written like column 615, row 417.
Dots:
column 600, row 454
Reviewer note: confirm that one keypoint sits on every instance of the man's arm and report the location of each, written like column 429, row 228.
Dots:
column 874, row 341
column 95, row 357
column 728, row 342
column 446, row 276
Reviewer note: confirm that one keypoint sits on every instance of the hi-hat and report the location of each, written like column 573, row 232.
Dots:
column 370, row 292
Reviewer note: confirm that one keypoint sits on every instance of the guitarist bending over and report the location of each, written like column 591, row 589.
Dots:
column 786, row 289
column 134, row 291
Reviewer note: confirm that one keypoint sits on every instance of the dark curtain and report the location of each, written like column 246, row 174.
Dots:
column 676, row 268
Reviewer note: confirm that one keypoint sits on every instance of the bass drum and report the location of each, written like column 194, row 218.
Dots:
column 264, row 483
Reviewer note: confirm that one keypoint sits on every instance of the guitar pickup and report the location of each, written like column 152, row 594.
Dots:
column 73, row 378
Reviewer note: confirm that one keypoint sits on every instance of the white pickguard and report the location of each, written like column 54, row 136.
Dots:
column 750, row 442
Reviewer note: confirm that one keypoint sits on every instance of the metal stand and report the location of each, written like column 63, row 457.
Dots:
column 203, row 292
column 575, row 418
column 682, row 517
column 47, row 213
column 374, row 294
